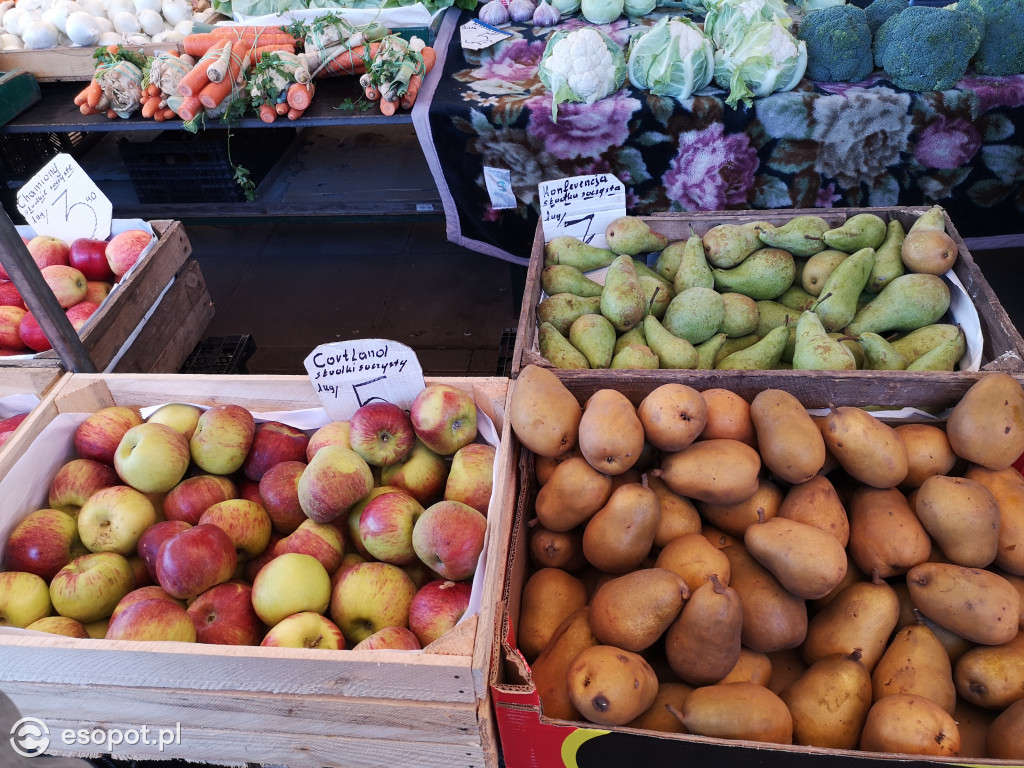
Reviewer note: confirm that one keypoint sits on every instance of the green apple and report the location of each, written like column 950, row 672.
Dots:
column 307, row 629
column 152, row 457
column 90, row 587
column 223, row 436
column 59, row 625
column 24, row 598
column 181, row 417
column 290, row 583
column 370, row 596
column 471, row 476
column 113, row 519
column 423, row 474
column 332, row 433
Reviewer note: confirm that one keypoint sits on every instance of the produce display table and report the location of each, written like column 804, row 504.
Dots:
column 821, row 145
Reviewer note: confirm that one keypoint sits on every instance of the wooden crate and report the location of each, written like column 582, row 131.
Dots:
column 66, row 62
column 165, row 293
column 1003, row 346
column 296, row 707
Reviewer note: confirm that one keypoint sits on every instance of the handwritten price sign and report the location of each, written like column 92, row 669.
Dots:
column 581, row 206
column 62, row 201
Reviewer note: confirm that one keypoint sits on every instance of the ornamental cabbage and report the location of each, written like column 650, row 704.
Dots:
column 759, row 60
column 673, row 58
column 581, row 65
column 724, row 18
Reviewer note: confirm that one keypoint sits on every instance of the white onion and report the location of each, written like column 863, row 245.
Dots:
column 105, row 24
column 15, row 20
column 115, row 7
column 148, row 5
column 5, row 6
column 176, row 11
column 9, row 42
column 138, row 38
column 40, row 34
column 168, row 36
column 32, row 5
column 110, row 38
column 57, row 14
column 126, row 23
column 84, row 29
column 151, row 22
column 184, row 27
column 94, row 8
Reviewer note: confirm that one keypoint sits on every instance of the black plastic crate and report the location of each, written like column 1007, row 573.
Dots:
column 220, row 354
column 23, row 154
column 506, row 348
column 182, row 167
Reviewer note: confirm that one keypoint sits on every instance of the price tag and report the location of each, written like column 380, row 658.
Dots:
column 349, row 374
column 62, row 201
column 475, row 35
column 581, row 206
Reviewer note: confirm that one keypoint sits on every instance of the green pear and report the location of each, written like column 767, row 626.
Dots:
column 594, row 336
column 772, row 314
column 642, row 269
column 668, row 261
column 672, row 351
column 910, row 301
column 920, row 341
column 708, row 351
column 656, row 295
column 566, row 249
column 634, row 335
column 944, row 357
column 818, row 268
column 815, row 351
column 732, row 346
column 693, row 270
column 557, row 350
column 888, row 259
column 933, row 218
column 696, row 314
column 631, row 235
column 762, row 355
column 797, row 298
column 635, row 357
column 622, row 300
column 850, row 342
column 726, row 245
column 562, row 309
column 564, row 278
column 801, row 235
column 764, row 274
column 837, row 303
column 862, row 230
column 740, row 316
column 879, row 354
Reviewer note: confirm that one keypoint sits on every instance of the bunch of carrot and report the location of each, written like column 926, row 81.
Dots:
column 396, row 73
column 91, row 100
column 257, row 40
column 218, row 73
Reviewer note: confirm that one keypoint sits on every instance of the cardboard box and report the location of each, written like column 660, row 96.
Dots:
column 1003, row 347
column 268, row 705
column 529, row 738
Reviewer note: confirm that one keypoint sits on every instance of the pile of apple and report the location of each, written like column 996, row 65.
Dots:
column 81, row 274
column 204, row 525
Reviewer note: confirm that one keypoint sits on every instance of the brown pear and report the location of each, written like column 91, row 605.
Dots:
column 773, row 618
column 544, row 414
column 928, row 451
column 728, row 416
column 853, row 575
column 695, row 559
column 885, row 533
column 718, row 471
column 620, row 535
column 1007, row 485
column 817, row 503
column 573, row 494
column 632, row 611
column 662, row 714
column 992, row 676
column 973, row 722
column 678, row 516
column 868, row 449
column 787, row 666
column 962, row 516
column 1005, row 736
column 750, row 667
column 549, row 596
column 549, row 669
column 806, row 560
column 910, row 724
column 719, row 538
column 611, row 686
column 954, row 645
column 611, row 436
column 790, row 443
column 735, row 518
column 987, row 426
column 830, row 702
column 738, row 711
column 915, row 662
column 556, row 549
column 974, row 603
column 703, row 643
column 672, row 416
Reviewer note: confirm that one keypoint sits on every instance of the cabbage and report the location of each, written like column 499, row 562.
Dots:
column 673, row 58
column 566, row 7
column 581, row 65
column 725, row 17
column 635, row 8
column 601, row 11
column 759, row 60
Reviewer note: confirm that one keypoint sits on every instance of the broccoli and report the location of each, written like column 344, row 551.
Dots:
column 838, row 44
column 879, row 11
column 1002, row 41
column 923, row 48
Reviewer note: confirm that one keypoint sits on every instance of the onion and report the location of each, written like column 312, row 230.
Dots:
column 148, row 5
column 94, row 8
column 184, row 27
column 105, row 24
column 40, row 34
column 83, row 29
column 151, row 22
column 126, row 23
column 57, row 14
column 5, row 6
column 9, row 42
column 110, row 38
column 139, row 38
column 115, row 7
column 15, row 20
column 176, row 11
column 168, row 36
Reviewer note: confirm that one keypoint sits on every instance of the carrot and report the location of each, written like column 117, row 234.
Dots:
column 267, row 113
column 85, row 109
column 111, row 114
column 372, row 92
column 94, row 92
column 388, row 106
column 83, row 95
column 240, row 32
column 168, row 113
column 190, row 107
column 150, row 106
column 429, row 58
column 214, row 93
column 153, row 89
column 198, row 43
column 113, row 49
column 295, row 114
column 195, row 79
column 258, row 52
column 281, row 108
column 349, row 62
column 413, row 88
column 299, row 95
column 158, row 116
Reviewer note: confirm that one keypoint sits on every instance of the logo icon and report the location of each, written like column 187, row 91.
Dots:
column 30, row 737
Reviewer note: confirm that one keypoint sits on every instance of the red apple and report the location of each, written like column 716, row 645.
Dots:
column 153, row 619
column 77, row 480
column 10, row 327
column 67, row 284
column 149, row 542
column 436, row 608
column 10, row 295
column 273, row 443
column 444, row 418
column 419, row 572
column 9, row 425
column 125, row 248
column 194, row 560
column 141, row 573
column 32, row 334
column 246, row 522
column 194, row 495
column 332, row 433
column 222, row 439
column 42, row 543
column 381, row 433
column 99, row 435
column 449, row 537
column 147, row 592
column 369, row 597
column 90, row 257
column 224, row 615
column 334, row 480
column 249, row 490
column 321, row 540
column 279, row 492
column 471, row 476
column 389, row 638
column 59, row 625
column 90, row 586
column 386, row 525
column 97, row 290
column 252, row 567
column 79, row 314
column 47, row 250
column 306, row 629
column 423, row 474
column 350, row 559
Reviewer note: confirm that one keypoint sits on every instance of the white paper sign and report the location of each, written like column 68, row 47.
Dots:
column 581, row 206
column 349, row 374
column 499, row 188
column 62, row 201
column 475, row 35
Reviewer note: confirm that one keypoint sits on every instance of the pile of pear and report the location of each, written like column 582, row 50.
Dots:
column 805, row 295
column 706, row 565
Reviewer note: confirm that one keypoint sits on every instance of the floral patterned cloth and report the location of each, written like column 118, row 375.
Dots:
column 820, row 145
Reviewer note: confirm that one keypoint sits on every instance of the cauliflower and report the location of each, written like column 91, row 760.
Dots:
column 581, row 65
column 923, row 48
column 758, row 60
column 838, row 44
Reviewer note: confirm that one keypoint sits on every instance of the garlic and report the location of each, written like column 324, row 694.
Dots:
column 546, row 15
column 494, row 13
column 521, row 10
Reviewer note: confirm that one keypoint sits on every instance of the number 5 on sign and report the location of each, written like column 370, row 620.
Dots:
column 62, row 201
column 349, row 374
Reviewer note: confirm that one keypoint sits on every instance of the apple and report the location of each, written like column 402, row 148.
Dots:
column 151, row 539
column 386, row 525
column 89, row 587
column 96, row 291
column 99, row 435
column 181, row 417
column 140, row 571
column 113, row 519
column 78, row 315
column 42, row 543
column 437, row 608
column 471, row 476
column 321, row 540
column 138, row 594
column 389, row 638
column 290, row 583
column 10, row 327
column 423, row 474
column 124, row 249
column 192, row 561
column 279, row 492
column 419, row 572
column 381, row 433
column 273, row 443
column 150, row 620
column 332, row 433
column 67, row 284
column 32, row 334
column 351, row 527
column 77, row 480
column 89, row 256
column 350, row 559
column 369, row 597
column 221, row 441
column 47, row 250
column 444, row 418
column 24, row 598
column 449, row 537
column 306, row 629
column 194, row 495
column 10, row 296
column 224, row 615
column 335, row 479
column 246, row 522
column 152, row 457
column 252, row 567
column 59, row 625
column 9, row 425
column 97, row 629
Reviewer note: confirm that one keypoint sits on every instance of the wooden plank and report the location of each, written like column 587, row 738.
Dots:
column 65, row 62
column 28, row 380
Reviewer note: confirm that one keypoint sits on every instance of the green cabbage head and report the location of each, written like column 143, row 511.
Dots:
column 673, row 58
column 725, row 17
column 581, row 65
column 759, row 60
